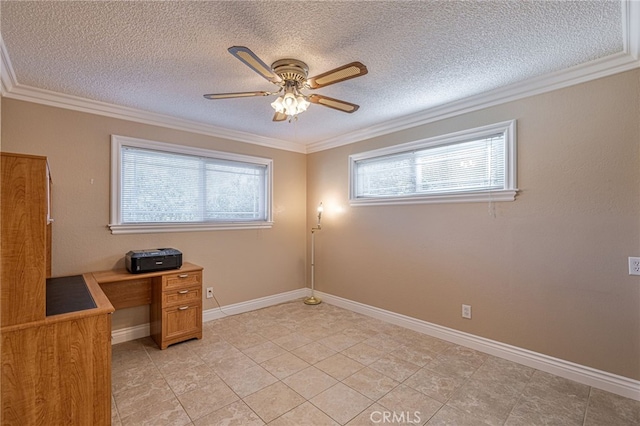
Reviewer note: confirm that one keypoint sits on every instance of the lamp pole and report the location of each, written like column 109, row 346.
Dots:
column 313, row 300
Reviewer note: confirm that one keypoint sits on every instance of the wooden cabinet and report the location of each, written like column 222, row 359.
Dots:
column 176, row 313
column 56, row 368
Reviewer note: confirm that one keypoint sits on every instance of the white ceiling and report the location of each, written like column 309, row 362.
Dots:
column 153, row 61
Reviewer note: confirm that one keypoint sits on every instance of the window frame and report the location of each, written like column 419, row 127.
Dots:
column 508, row 128
column 115, row 223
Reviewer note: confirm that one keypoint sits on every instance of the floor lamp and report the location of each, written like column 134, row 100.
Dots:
column 313, row 300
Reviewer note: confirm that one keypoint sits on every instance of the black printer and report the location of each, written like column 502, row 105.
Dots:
column 152, row 260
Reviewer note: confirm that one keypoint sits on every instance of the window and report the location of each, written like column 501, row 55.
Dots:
column 159, row 187
column 472, row 165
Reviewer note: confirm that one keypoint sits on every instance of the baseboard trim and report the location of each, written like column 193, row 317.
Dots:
column 130, row 333
column 252, row 305
column 139, row 331
column 609, row 382
column 613, row 383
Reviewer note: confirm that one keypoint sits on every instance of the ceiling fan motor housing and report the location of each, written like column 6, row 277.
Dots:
column 291, row 70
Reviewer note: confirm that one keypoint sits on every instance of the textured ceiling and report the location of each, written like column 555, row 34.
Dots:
column 163, row 56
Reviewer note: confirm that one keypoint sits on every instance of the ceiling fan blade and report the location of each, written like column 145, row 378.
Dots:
column 236, row 95
column 333, row 103
column 252, row 61
column 345, row 72
column 278, row 116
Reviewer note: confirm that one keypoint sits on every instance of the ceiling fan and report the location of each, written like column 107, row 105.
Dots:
column 291, row 76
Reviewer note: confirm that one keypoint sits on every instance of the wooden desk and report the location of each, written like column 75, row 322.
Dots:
column 175, row 297
column 57, row 370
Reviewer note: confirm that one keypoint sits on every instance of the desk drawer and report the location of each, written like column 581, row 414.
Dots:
column 181, row 280
column 182, row 295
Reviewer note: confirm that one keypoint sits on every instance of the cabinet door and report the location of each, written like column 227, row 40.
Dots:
column 180, row 322
column 23, row 251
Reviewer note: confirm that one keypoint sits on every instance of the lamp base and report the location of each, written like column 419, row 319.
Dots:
column 312, row 300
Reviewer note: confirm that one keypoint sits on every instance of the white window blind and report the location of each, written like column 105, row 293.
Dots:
column 158, row 185
column 439, row 169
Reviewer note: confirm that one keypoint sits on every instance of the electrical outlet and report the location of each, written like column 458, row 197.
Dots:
column 466, row 311
column 209, row 292
column 634, row 266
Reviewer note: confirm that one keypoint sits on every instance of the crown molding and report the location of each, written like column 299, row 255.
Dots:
column 626, row 60
column 13, row 90
column 62, row 100
column 599, row 68
column 7, row 76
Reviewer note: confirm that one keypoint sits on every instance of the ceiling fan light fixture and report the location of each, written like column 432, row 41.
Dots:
column 291, row 104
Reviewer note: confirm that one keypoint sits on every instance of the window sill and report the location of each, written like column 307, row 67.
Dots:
column 147, row 228
column 469, row 197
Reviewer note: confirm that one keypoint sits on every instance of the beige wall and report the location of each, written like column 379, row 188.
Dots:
column 240, row 265
column 549, row 272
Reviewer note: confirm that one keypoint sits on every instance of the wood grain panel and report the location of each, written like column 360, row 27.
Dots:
column 24, row 238
column 58, row 373
column 127, row 294
column 181, row 323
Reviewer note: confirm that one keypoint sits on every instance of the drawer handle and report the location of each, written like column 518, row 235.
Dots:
column 183, row 292
column 183, row 275
column 182, row 308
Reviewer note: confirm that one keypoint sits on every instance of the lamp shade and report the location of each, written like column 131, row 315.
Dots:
column 278, row 105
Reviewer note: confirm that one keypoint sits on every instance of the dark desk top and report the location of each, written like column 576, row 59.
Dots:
column 68, row 294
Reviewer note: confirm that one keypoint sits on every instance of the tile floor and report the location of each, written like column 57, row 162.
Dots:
column 294, row 364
